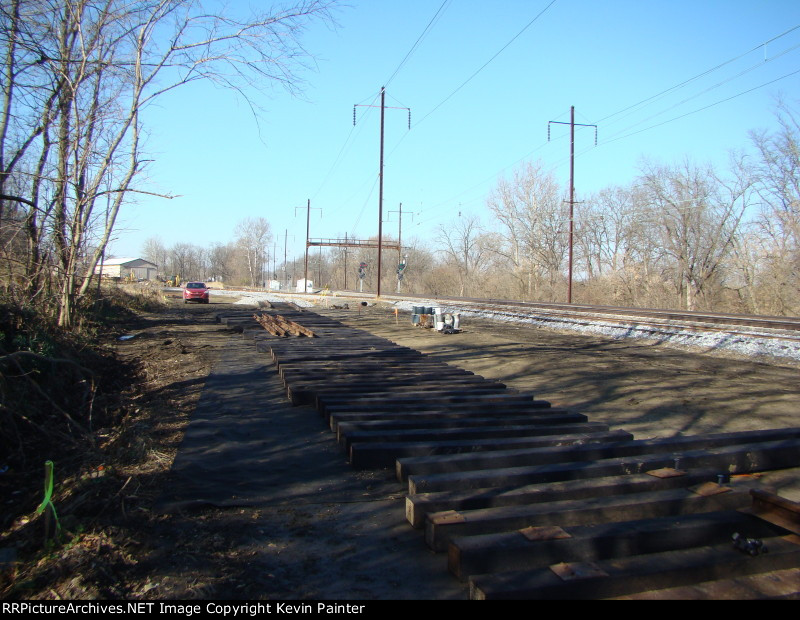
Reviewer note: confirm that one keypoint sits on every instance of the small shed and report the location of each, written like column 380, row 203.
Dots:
column 138, row 268
column 305, row 286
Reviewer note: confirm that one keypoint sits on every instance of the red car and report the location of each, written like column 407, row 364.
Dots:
column 195, row 291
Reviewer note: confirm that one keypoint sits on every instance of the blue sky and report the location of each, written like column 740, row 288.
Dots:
column 600, row 56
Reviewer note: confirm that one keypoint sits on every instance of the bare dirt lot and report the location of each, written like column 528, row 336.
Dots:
column 350, row 541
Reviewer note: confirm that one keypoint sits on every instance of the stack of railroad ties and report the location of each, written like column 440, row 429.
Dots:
column 530, row 501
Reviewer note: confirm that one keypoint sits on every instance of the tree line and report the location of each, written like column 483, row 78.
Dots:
column 78, row 79
column 79, row 76
column 682, row 235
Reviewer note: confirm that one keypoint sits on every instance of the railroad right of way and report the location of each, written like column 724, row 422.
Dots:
column 526, row 500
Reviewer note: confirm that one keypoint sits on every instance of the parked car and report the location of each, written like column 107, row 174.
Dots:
column 195, row 291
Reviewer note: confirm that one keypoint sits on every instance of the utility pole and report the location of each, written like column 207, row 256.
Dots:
column 308, row 228
column 400, row 231
column 571, row 184
column 380, row 176
column 380, row 192
column 285, row 257
column 400, row 260
column 345, row 261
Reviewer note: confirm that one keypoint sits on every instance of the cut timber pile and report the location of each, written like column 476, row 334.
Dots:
column 530, row 501
column 280, row 326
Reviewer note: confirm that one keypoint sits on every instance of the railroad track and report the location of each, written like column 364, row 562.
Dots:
column 531, row 501
column 777, row 336
column 659, row 316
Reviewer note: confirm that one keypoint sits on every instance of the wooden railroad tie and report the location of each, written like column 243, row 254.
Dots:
column 280, row 326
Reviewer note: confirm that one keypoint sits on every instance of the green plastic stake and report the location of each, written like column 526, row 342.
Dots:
column 47, row 502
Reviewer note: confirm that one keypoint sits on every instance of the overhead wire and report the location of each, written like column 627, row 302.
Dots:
column 424, row 33
column 639, row 104
column 706, row 107
column 494, row 175
column 345, row 145
column 620, row 135
column 431, row 23
column 707, row 90
column 465, row 82
column 486, row 64
column 471, row 77
column 695, row 77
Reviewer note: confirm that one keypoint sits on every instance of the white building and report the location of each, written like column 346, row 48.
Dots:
column 138, row 268
column 305, row 286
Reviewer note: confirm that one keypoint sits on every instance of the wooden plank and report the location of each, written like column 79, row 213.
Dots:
column 529, row 550
column 638, row 573
column 419, row 505
column 452, row 396
column 384, row 454
column 552, row 419
column 395, row 414
column 737, row 459
column 495, row 429
column 578, row 512
column 311, row 371
column 331, row 389
column 775, row 585
column 519, row 458
column 421, row 407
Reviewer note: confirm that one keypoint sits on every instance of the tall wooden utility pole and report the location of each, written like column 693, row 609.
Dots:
column 345, row 261
column 571, row 184
column 308, row 228
column 400, row 241
column 380, row 193
column 399, row 233
column 380, row 176
column 571, row 195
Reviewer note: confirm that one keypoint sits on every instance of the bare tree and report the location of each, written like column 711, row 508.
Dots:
column 221, row 261
column 533, row 225
column 253, row 236
column 779, row 177
column 155, row 251
column 78, row 75
column 466, row 247
column 697, row 214
column 778, row 174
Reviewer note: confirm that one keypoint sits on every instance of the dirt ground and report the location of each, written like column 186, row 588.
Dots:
column 644, row 387
column 353, row 548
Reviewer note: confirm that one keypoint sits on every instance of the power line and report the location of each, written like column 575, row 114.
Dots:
column 502, row 49
column 703, row 92
column 425, row 32
column 453, row 93
column 347, row 143
column 699, row 75
column 711, row 105
column 418, row 41
column 364, row 206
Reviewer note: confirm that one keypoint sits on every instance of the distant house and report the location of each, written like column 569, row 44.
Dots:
column 139, row 268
